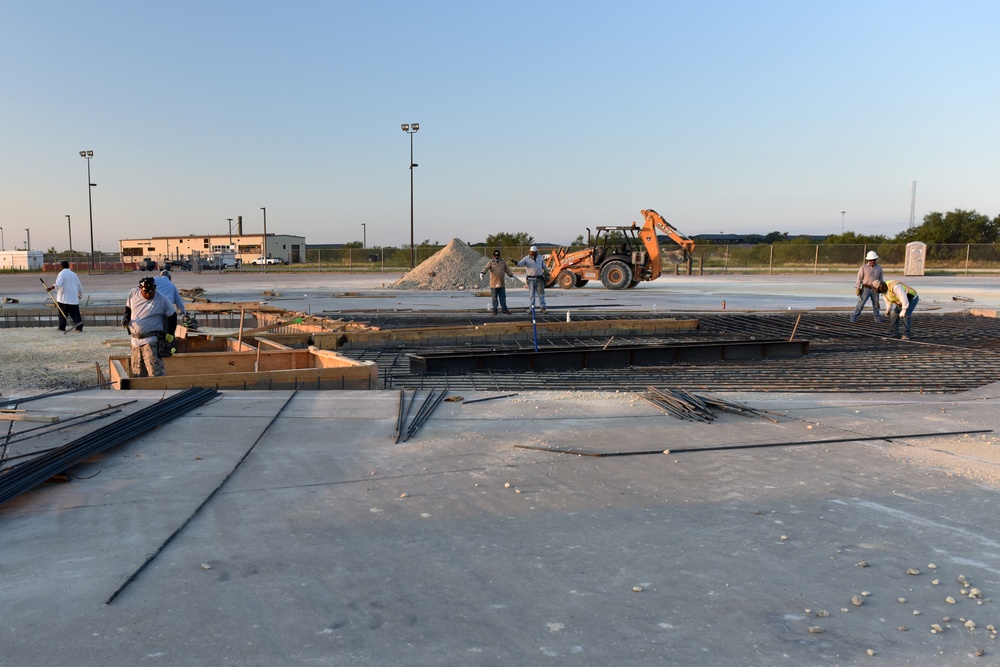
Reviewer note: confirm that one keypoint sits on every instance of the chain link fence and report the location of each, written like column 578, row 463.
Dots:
column 708, row 259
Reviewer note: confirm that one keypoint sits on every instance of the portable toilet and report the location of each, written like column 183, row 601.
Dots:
column 916, row 256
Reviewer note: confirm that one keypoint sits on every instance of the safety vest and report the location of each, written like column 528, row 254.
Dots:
column 890, row 295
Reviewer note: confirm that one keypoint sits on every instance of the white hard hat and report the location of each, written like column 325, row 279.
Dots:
column 533, row 248
column 871, row 255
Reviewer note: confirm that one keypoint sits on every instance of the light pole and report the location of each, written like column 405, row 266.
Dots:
column 1, row 240
column 69, row 224
column 842, row 214
column 264, row 244
column 90, row 204
column 230, row 233
column 411, row 129
column 364, row 236
column 27, row 244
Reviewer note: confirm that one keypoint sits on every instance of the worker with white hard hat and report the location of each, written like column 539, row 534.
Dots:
column 869, row 272
column 534, row 270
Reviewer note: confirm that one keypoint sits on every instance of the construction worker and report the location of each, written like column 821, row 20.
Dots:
column 69, row 291
column 150, row 319
column 869, row 272
column 899, row 299
column 166, row 288
column 534, row 269
column 498, row 270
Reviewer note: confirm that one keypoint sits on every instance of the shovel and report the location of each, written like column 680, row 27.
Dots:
column 58, row 307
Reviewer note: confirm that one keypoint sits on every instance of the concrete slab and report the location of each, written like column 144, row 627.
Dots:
column 337, row 292
column 330, row 544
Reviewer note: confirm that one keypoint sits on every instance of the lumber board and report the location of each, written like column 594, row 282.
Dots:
column 22, row 416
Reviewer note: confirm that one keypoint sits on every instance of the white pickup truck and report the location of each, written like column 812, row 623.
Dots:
column 260, row 261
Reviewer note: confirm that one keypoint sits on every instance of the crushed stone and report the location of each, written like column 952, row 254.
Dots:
column 454, row 267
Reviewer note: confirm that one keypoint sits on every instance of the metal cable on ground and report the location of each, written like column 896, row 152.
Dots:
column 204, row 502
column 719, row 448
column 24, row 476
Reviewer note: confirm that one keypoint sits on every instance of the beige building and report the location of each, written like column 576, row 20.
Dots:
column 247, row 247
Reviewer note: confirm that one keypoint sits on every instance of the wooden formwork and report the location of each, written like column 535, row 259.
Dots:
column 269, row 366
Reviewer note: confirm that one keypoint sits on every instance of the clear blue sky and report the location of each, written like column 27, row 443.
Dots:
column 545, row 117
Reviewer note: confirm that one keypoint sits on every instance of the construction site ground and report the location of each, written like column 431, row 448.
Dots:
column 858, row 527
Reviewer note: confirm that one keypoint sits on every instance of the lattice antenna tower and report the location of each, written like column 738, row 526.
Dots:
column 913, row 201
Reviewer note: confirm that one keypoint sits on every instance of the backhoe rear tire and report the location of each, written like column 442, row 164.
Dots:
column 566, row 279
column 616, row 275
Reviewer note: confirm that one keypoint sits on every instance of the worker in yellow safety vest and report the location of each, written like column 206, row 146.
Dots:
column 900, row 301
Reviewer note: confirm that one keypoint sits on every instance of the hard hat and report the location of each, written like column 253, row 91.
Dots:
column 871, row 255
column 533, row 248
column 147, row 284
column 165, row 273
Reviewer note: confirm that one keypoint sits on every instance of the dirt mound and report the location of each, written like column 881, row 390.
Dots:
column 455, row 266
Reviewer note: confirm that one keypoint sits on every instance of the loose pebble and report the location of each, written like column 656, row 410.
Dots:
column 866, row 593
column 506, row 485
column 991, row 628
column 916, row 612
column 975, row 593
column 903, row 628
column 870, row 652
column 206, row 566
column 403, row 495
column 935, row 582
column 936, row 628
column 931, row 566
column 970, row 624
column 857, row 601
column 900, row 600
column 822, row 613
column 980, row 652
column 637, row 589
column 844, row 609
column 815, row 629
column 862, row 563
column 950, row 600
column 912, row 570
column 784, row 537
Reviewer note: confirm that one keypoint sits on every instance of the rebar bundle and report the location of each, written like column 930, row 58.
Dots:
column 22, row 477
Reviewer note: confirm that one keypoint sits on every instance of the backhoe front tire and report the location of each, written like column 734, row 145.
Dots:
column 566, row 279
column 616, row 275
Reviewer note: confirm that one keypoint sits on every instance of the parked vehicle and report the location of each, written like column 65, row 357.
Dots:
column 261, row 261
column 147, row 264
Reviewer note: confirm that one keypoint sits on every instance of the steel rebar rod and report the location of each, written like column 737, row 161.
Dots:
column 719, row 448
column 204, row 502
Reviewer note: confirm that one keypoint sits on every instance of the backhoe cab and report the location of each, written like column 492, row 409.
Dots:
column 619, row 256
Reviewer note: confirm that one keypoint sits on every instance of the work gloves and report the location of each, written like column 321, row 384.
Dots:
column 858, row 292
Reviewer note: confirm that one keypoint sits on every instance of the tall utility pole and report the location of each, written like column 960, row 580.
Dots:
column 90, row 206
column 364, row 236
column 411, row 129
column 230, row 233
column 69, row 223
column 913, row 201
column 842, row 214
column 264, row 244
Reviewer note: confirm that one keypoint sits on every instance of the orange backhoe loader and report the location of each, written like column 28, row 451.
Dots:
column 620, row 257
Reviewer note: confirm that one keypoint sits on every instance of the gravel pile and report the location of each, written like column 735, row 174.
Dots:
column 454, row 267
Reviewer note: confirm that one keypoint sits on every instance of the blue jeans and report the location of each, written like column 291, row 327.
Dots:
column 536, row 287
column 894, row 314
column 498, row 294
column 867, row 293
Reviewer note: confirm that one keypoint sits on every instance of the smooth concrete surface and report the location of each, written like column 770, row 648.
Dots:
column 330, row 293
column 333, row 545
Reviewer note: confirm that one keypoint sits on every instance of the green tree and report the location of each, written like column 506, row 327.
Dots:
column 353, row 244
column 957, row 226
column 508, row 240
